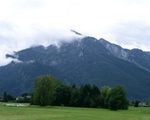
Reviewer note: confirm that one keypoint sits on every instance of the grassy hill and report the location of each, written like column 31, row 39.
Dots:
column 66, row 113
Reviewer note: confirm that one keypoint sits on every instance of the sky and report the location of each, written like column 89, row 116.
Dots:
column 26, row 23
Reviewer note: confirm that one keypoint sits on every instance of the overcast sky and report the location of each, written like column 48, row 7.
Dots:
column 24, row 23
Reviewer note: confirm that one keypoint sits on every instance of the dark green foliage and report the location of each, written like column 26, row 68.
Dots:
column 7, row 97
column 85, row 92
column 75, row 96
column 117, row 99
column 136, row 103
column 105, row 95
column 96, row 97
column 48, row 91
column 89, row 96
column 62, row 95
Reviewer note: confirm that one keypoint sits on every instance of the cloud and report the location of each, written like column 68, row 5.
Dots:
column 133, row 34
column 24, row 23
column 25, row 4
column 14, row 38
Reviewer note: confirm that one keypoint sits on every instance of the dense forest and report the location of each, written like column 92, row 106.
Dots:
column 49, row 91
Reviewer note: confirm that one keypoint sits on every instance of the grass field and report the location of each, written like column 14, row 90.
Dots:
column 66, row 113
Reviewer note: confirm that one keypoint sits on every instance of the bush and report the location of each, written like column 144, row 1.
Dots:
column 118, row 99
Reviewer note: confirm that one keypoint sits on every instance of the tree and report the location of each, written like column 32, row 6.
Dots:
column 84, row 98
column 75, row 96
column 44, row 89
column 117, row 99
column 136, row 103
column 7, row 97
column 95, row 97
column 89, row 96
column 62, row 95
column 105, row 94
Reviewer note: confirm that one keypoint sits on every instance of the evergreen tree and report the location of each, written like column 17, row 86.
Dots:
column 89, row 96
column 75, row 96
column 62, row 95
column 95, row 97
column 84, row 98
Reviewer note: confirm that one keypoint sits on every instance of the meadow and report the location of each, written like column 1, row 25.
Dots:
column 69, row 113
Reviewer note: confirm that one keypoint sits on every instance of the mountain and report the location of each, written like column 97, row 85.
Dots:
column 136, row 56
column 87, row 60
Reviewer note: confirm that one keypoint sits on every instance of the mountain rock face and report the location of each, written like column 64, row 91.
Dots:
column 136, row 56
column 82, row 61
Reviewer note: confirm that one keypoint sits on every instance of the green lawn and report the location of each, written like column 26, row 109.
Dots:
column 66, row 113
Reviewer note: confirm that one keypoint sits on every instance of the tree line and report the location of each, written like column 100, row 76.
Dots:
column 49, row 91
